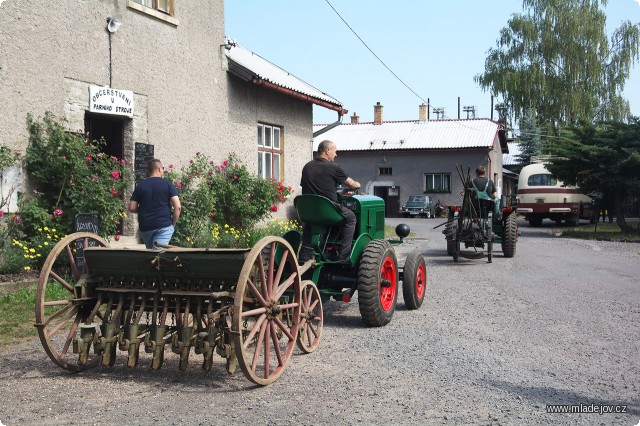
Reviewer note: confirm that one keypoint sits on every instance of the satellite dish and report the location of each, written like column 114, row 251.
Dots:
column 113, row 24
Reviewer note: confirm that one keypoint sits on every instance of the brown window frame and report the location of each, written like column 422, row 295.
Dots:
column 268, row 152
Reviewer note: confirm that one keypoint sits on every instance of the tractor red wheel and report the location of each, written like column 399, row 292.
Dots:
column 414, row 281
column 266, row 310
column 61, row 312
column 378, row 283
column 311, row 318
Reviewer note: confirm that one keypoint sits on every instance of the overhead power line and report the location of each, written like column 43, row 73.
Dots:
column 441, row 111
column 373, row 53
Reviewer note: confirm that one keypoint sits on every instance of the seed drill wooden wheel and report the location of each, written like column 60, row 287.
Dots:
column 60, row 312
column 312, row 320
column 266, row 310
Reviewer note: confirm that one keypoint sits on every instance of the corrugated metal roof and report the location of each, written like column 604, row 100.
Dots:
column 510, row 158
column 248, row 65
column 434, row 134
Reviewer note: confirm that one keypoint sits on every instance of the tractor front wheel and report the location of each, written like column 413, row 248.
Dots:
column 378, row 283
column 414, row 281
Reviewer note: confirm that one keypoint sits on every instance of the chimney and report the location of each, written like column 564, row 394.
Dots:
column 422, row 112
column 355, row 119
column 377, row 113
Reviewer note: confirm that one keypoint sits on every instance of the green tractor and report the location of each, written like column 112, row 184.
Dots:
column 478, row 223
column 372, row 269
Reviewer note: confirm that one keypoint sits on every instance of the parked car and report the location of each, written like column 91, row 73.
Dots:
column 417, row 205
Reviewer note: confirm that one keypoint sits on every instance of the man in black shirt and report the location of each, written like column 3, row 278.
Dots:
column 321, row 176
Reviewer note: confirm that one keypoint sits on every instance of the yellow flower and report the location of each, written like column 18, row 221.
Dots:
column 46, row 243
column 46, row 228
column 26, row 256
column 53, row 230
column 27, row 268
column 32, row 250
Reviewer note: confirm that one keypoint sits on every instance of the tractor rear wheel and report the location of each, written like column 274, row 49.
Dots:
column 378, row 283
column 414, row 281
column 510, row 236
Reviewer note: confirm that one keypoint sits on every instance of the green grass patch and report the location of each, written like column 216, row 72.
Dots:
column 390, row 232
column 17, row 312
column 605, row 232
column 17, row 315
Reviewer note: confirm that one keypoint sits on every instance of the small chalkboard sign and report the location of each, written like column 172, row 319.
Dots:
column 144, row 153
column 85, row 222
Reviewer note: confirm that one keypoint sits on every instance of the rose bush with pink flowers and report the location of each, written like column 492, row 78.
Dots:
column 70, row 174
column 217, row 195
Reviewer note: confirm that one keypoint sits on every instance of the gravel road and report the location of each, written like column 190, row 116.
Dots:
column 492, row 344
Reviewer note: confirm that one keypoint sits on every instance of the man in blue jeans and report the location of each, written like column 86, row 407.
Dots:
column 153, row 200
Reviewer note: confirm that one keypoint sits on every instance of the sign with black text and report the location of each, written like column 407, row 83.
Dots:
column 85, row 222
column 105, row 100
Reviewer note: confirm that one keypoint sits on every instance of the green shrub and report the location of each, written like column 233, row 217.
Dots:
column 13, row 260
column 71, row 175
column 222, row 203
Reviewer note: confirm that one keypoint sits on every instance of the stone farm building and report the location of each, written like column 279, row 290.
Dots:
column 159, row 75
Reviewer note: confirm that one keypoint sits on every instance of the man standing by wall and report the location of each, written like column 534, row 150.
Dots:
column 153, row 200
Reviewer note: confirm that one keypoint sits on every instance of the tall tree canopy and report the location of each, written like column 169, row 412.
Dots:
column 557, row 60
column 603, row 157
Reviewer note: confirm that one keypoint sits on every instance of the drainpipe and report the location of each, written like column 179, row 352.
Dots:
column 329, row 127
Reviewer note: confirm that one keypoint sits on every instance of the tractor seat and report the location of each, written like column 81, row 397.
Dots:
column 316, row 210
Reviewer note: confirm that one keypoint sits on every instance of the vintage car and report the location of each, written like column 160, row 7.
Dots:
column 417, row 205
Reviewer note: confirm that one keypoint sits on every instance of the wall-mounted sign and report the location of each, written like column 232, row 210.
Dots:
column 143, row 154
column 105, row 100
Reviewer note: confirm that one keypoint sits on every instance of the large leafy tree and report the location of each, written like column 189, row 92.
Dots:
column 603, row 157
column 556, row 59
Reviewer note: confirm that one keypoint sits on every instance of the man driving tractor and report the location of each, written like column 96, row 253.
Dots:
column 321, row 176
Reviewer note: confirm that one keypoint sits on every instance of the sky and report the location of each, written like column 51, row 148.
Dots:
column 434, row 47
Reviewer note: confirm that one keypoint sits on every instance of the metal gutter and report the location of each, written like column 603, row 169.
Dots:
column 260, row 82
